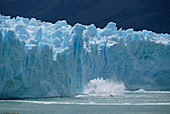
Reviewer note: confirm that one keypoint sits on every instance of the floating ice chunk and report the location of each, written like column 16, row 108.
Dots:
column 140, row 91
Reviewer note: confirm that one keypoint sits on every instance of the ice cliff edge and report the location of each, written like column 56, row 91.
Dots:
column 41, row 59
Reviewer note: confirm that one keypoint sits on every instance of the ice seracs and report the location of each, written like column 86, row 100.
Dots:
column 41, row 59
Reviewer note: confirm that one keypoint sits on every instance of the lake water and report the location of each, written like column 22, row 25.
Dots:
column 148, row 102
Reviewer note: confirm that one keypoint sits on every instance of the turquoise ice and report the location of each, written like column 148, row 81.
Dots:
column 41, row 59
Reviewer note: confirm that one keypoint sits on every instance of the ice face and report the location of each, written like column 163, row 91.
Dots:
column 41, row 59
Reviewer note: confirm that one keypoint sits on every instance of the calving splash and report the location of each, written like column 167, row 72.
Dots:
column 101, row 87
column 42, row 59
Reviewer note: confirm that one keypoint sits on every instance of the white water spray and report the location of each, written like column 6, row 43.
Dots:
column 103, row 87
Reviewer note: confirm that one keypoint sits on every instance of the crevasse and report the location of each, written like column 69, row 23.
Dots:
column 41, row 59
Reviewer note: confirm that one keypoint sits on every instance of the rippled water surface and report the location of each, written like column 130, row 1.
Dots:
column 156, row 102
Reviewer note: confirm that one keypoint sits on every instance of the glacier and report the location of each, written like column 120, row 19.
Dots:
column 42, row 59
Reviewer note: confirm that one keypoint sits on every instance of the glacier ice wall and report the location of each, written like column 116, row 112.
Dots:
column 41, row 59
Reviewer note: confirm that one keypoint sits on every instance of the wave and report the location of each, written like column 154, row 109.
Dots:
column 144, row 91
column 101, row 87
column 87, row 103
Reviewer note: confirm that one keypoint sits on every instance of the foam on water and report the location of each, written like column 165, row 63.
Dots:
column 151, row 92
column 101, row 87
column 87, row 103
